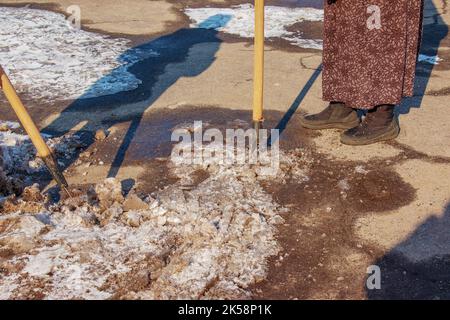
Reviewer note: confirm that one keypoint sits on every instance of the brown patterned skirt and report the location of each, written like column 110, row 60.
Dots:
column 370, row 51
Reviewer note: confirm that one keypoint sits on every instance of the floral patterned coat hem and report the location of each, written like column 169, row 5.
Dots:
column 370, row 51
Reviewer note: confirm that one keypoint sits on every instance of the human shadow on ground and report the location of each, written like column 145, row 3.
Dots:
column 418, row 267
column 432, row 36
column 190, row 51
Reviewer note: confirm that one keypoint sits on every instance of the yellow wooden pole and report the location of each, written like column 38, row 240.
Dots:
column 31, row 129
column 258, row 77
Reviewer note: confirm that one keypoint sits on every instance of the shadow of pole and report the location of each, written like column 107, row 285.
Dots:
column 282, row 124
column 120, row 155
column 298, row 100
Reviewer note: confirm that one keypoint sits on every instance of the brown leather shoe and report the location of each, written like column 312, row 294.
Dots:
column 380, row 124
column 335, row 116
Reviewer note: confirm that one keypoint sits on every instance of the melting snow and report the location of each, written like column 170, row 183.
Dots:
column 429, row 59
column 188, row 241
column 209, row 240
column 278, row 19
column 18, row 154
column 18, row 157
column 48, row 59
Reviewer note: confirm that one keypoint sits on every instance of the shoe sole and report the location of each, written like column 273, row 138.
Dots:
column 335, row 125
column 391, row 134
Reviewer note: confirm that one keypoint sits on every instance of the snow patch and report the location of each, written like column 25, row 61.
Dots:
column 241, row 22
column 210, row 240
column 429, row 59
column 18, row 157
column 49, row 60
column 191, row 240
column 18, row 154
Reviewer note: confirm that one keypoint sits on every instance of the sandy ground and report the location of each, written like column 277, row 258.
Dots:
column 394, row 211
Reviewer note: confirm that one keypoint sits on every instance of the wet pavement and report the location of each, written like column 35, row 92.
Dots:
column 324, row 254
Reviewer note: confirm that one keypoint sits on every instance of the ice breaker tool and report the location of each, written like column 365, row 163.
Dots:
column 258, row 77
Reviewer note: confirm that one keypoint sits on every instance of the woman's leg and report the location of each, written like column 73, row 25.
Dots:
column 369, row 57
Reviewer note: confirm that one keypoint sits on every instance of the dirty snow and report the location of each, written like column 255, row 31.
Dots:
column 278, row 19
column 18, row 154
column 179, row 250
column 205, row 241
column 18, row 157
column 429, row 59
column 48, row 59
column 360, row 169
